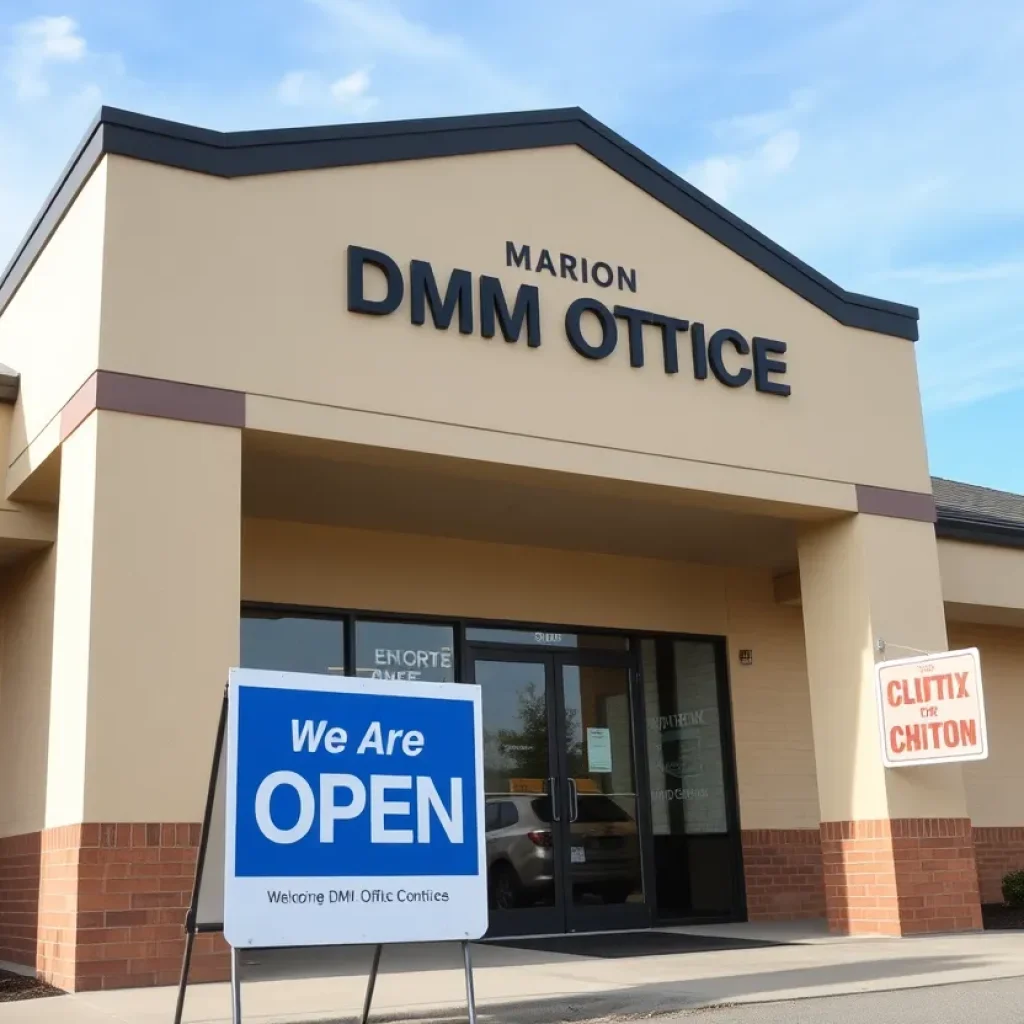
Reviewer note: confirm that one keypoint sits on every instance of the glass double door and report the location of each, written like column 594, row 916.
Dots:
column 564, row 843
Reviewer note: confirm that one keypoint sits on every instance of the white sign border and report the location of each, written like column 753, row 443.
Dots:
column 917, row 659
column 344, row 684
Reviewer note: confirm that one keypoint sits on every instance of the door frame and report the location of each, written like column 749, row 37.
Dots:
column 565, row 916
column 625, row 916
column 544, row 920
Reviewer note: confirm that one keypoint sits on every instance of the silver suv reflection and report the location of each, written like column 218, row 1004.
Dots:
column 520, row 850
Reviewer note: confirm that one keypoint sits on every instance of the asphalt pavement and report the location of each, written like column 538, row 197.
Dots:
column 986, row 1002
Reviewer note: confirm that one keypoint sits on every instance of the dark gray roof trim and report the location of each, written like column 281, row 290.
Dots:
column 10, row 381
column 237, row 154
column 979, row 514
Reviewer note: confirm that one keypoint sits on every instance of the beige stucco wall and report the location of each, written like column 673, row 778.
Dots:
column 866, row 578
column 146, row 618
column 291, row 563
column 26, row 641
column 982, row 575
column 240, row 283
column 771, row 706
column 995, row 786
column 50, row 331
column 72, row 624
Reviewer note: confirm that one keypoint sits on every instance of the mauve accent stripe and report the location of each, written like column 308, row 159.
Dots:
column 169, row 399
column 883, row 501
column 77, row 407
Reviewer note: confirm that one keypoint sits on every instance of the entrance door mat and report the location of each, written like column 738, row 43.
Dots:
column 615, row 945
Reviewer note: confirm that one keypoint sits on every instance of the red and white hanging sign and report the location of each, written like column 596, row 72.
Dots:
column 931, row 709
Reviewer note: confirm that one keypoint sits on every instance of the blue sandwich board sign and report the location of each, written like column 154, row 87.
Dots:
column 354, row 811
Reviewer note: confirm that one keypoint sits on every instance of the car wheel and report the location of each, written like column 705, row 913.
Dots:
column 505, row 888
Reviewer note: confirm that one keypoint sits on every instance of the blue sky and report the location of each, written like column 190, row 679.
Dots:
column 881, row 141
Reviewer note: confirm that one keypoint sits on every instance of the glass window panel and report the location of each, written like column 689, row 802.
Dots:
column 292, row 643
column 684, row 739
column 520, row 860
column 604, row 855
column 405, row 650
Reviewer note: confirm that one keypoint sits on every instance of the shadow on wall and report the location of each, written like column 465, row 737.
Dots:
column 26, row 643
column 20, row 861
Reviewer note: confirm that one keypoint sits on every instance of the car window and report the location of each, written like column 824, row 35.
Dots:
column 492, row 817
column 600, row 809
column 509, row 814
column 541, row 807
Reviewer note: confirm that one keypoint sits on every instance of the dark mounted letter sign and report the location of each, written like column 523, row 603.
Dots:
column 609, row 329
column 670, row 328
column 358, row 257
column 764, row 348
column 423, row 292
column 715, row 357
column 759, row 361
column 700, row 352
column 635, row 320
column 526, row 310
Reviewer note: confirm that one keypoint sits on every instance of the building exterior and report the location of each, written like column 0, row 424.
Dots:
column 498, row 400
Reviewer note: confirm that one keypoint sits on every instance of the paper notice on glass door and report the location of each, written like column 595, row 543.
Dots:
column 599, row 750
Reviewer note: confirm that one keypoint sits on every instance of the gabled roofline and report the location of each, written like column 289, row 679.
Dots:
column 239, row 154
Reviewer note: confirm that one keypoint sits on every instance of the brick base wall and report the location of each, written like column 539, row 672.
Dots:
column 103, row 905
column 782, row 868
column 997, row 851
column 110, row 903
column 900, row 877
column 19, row 898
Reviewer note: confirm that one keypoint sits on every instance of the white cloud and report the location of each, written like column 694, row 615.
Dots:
column 350, row 93
column 39, row 43
column 297, row 88
column 978, row 372
column 384, row 27
column 718, row 176
column 751, row 127
column 778, row 152
column 721, row 176
column 764, row 144
column 429, row 71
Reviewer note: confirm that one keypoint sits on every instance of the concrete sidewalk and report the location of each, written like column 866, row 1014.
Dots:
column 515, row 986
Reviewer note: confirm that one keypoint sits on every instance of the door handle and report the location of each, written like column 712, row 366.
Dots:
column 574, row 806
column 553, row 796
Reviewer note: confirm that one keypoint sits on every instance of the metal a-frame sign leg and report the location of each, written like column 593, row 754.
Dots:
column 371, row 984
column 236, row 989
column 191, row 919
column 470, row 993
